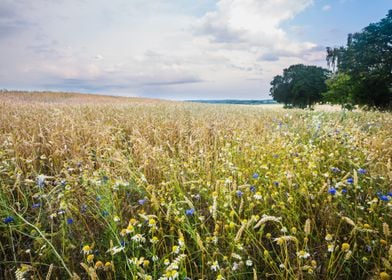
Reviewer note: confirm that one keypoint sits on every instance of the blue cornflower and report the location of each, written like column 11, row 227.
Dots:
column 98, row 198
column 8, row 220
column 105, row 179
column 142, row 201
column 190, row 212
column 350, row 180
column 36, row 205
column 276, row 184
column 332, row 191
column 361, row 171
column 105, row 213
column 384, row 198
column 390, row 194
column 252, row 188
column 41, row 181
column 335, row 169
column 63, row 183
column 122, row 243
column 239, row 193
column 255, row 175
column 70, row 221
column 344, row 191
column 83, row 209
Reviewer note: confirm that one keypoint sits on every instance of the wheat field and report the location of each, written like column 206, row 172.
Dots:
column 97, row 187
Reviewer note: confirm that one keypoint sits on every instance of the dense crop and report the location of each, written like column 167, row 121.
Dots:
column 171, row 190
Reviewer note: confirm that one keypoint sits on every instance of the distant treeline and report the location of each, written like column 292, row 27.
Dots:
column 236, row 101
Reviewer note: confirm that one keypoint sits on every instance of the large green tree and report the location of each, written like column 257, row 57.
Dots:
column 300, row 85
column 367, row 60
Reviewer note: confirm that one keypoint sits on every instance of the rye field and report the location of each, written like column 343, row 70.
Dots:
column 118, row 188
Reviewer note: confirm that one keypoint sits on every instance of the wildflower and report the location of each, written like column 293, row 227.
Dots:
column 41, row 181
column 258, row 196
column 105, row 213
column 350, row 180
column 108, row 266
column 86, row 249
column 142, row 201
column 235, row 266
column 239, row 193
column 98, row 198
column 115, row 250
column 166, row 262
column 129, row 229
column 98, row 265
column 36, row 205
column 154, row 240
column 190, row 212
column 255, row 175
column 70, row 221
column 332, row 191
column 344, row 191
column 252, row 188
column 175, row 249
column 152, row 223
column 330, row 248
column 361, row 171
column 249, row 262
column 8, row 220
column 328, row 237
column 384, row 276
column 83, row 209
column 215, row 266
column 335, row 169
column 383, row 198
column 303, row 254
column 138, row 238
column 284, row 229
column 345, row 247
column 293, row 230
column 146, row 263
column 116, row 218
column 276, row 184
column 90, row 258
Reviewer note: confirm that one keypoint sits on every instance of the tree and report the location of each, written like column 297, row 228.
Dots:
column 340, row 89
column 367, row 59
column 300, row 86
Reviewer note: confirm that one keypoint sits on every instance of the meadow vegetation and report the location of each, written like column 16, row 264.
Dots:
column 128, row 189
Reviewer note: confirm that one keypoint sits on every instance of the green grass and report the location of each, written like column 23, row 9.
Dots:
column 149, row 190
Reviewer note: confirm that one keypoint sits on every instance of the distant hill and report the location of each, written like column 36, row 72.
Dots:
column 69, row 98
column 236, row 101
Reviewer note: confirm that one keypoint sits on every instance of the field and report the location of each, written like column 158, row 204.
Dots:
column 115, row 188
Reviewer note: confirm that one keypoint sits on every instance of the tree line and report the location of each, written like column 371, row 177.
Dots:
column 359, row 74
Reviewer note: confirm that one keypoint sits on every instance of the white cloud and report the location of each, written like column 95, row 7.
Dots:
column 326, row 8
column 152, row 48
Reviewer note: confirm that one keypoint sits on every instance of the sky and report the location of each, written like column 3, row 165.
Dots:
column 170, row 49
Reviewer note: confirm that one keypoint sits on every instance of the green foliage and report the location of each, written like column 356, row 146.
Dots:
column 340, row 89
column 367, row 59
column 300, row 86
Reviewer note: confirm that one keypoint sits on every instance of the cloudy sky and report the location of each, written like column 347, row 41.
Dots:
column 172, row 49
